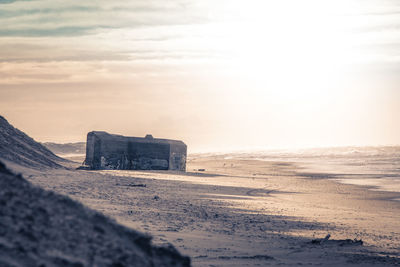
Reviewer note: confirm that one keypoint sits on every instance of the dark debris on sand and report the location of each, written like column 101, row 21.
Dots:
column 341, row 242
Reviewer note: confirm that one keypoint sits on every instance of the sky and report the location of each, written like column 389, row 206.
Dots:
column 217, row 74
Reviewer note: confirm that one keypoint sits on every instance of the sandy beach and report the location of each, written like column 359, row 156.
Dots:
column 244, row 212
column 223, row 133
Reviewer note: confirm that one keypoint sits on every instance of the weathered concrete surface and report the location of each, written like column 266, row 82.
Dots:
column 109, row 151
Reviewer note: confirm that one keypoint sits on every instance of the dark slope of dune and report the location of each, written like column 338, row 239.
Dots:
column 42, row 228
column 19, row 148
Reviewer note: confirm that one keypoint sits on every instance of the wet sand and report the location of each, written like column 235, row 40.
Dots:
column 244, row 212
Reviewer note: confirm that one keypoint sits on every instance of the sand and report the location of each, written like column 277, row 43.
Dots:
column 243, row 212
column 43, row 228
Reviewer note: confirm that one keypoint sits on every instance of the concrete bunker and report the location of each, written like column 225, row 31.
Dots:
column 117, row 152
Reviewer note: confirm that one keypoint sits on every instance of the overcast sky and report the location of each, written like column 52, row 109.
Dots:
column 220, row 75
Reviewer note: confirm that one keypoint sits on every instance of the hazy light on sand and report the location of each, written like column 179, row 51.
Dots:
column 217, row 74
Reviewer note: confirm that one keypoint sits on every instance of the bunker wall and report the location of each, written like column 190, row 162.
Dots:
column 177, row 157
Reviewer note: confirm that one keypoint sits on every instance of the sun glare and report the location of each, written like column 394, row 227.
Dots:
column 288, row 48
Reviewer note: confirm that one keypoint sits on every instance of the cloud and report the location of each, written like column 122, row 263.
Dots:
column 57, row 31
column 52, row 52
column 170, row 32
column 60, row 18
column 12, row 1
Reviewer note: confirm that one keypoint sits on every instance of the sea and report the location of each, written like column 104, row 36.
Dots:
column 375, row 167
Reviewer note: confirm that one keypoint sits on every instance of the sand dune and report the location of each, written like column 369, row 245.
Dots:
column 42, row 228
column 18, row 148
